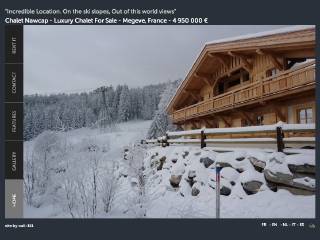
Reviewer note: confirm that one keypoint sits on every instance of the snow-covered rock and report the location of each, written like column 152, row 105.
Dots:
column 229, row 159
column 259, row 165
column 305, row 168
column 195, row 190
column 229, row 174
column 185, row 154
column 307, row 183
column 174, row 160
column 225, row 187
column 252, row 187
column 251, row 181
column 175, row 180
column 177, row 171
column 277, row 171
column 226, row 191
column 191, row 174
column 301, row 163
column 178, row 168
column 206, row 161
column 278, row 177
column 161, row 162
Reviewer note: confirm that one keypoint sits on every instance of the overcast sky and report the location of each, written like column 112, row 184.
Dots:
column 81, row 58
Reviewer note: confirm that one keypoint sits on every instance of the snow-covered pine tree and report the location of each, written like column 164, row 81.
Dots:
column 124, row 105
column 28, row 126
column 161, row 122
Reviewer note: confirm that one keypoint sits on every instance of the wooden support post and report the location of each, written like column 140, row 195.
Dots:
column 273, row 58
column 280, row 143
column 216, row 81
column 203, row 137
column 276, row 63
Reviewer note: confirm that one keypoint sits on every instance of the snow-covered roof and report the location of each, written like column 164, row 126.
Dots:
column 262, row 34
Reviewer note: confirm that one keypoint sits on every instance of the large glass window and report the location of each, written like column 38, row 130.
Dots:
column 305, row 115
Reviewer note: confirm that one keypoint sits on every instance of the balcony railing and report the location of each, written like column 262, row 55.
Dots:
column 283, row 83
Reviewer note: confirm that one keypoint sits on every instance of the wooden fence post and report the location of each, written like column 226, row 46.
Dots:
column 280, row 143
column 167, row 138
column 203, row 137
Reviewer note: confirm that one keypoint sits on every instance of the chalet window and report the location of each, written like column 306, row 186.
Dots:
column 305, row 115
column 246, row 77
column 260, row 120
column 272, row 72
column 234, row 83
column 221, row 88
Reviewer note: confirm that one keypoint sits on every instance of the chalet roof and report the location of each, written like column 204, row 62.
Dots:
column 279, row 39
column 262, row 34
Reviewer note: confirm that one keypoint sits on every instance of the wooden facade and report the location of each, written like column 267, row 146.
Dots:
column 258, row 80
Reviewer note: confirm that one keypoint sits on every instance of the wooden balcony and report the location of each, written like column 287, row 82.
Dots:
column 285, row 83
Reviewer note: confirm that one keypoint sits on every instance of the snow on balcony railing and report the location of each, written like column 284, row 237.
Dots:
column 279, row 141
column 250, row 129
column 183, row 140
column 241, row 140
column 184, row 133
column 299, row 139
column 298, row 127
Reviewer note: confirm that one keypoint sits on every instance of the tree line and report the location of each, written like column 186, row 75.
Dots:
column 101, row 108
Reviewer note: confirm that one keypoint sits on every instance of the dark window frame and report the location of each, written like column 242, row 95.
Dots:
column 307, row 119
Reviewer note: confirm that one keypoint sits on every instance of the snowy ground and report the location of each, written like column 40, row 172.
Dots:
column 112, row 143
column 165, row 201
column 133, row 180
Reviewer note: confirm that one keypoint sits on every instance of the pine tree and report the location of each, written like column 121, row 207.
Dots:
column 124, row 105
column 161, row 122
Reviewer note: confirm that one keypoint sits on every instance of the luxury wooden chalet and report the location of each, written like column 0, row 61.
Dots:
column 251, row 80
